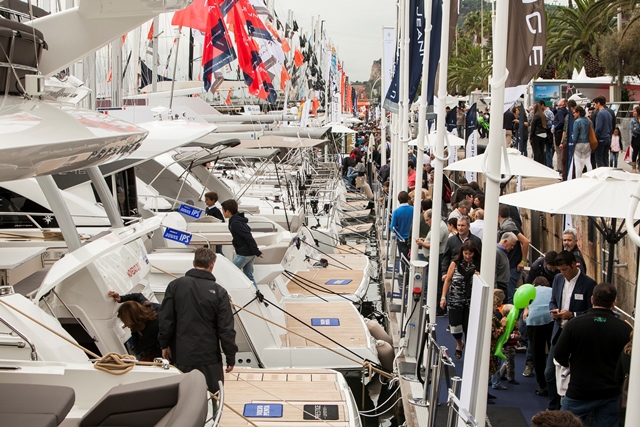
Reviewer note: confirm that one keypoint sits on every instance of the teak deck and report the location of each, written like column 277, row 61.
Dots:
column 291, row 388
column 350, row 333
column 316, row 281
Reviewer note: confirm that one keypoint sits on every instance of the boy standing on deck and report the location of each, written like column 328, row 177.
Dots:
column 210, row 199
column 243, row 242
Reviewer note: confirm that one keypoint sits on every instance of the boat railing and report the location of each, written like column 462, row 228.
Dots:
column 34, row 354
column 217, row 407
column 49, row 217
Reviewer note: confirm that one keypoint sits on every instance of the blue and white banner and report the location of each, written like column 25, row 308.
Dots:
column 416, row 53
column 472, row 139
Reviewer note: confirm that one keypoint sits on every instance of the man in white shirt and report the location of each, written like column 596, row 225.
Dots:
column 477, row 226
column 570, row 297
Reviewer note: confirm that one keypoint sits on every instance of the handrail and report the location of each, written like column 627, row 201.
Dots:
column 34, row 354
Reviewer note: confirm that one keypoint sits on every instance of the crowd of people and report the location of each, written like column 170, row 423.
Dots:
column 568, row 302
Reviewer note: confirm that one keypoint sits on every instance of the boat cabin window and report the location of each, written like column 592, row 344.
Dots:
column 126, row 193
column 11, row 202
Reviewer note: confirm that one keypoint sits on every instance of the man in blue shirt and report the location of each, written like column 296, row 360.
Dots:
column 400, row 227
column 604, row 125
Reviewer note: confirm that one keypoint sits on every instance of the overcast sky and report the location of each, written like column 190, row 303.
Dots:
column 354, row 26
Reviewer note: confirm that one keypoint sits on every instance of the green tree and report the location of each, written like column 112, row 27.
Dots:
column 621, row 51
column 573, row 34
column 466, row 71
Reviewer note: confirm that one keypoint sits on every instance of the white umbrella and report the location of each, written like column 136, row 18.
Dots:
column 603, row 193
column 451, row 139
column 341, row 129
column 518, row 165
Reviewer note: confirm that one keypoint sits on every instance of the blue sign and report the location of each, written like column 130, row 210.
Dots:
column 262, row 410
column 394, row 295
column 177, row 236
column 191, row 211
column 325, row 321
column 338, row 282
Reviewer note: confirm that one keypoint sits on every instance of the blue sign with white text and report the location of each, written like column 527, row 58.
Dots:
column 338, row 282
column 177, row 236
column 325, row 321
column 262, row 410
column 191, row 211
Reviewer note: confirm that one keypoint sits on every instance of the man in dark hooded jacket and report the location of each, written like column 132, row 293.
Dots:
column 243, row 242
column 196, row 322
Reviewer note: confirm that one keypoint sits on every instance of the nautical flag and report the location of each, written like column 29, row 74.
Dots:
column 193, row 16
column 284, row 78
column 298, row 59
column 416, row 53
column 571, row 145
column 255, row 73
column 472, row 139
column 254, row 24
column 150, row 34
column 228, row 100
column 314, row 105
column 451, row 119
column 527, row 31
column 226, row 6
column 521, row 129
column 434, row 49
column 217, row 50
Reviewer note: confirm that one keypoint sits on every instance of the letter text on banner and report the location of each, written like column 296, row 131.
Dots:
column 527, row 30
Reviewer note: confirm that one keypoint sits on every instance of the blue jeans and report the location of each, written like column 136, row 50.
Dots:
column 602, row 153
column 549, row 151
column 245, row 263
column 613, row 159
column 605, row 411
column 495, row 377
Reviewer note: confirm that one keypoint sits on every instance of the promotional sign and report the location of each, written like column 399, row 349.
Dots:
column 191, row 211
column 177, row 236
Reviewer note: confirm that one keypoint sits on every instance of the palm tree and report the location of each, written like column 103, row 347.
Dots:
column 466, row 71
column 573, row 33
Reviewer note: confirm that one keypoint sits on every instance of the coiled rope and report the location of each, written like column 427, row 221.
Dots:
column 112, row 363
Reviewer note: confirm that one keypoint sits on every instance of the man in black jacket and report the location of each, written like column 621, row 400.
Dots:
column 591, row 344
column 243, row 242
column 196, row 320
column 544, row 266
column 452, row 248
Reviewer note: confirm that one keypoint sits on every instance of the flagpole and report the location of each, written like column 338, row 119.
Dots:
column 487, row 267
column 438, row 178
column 422, row 124
column 404, row 98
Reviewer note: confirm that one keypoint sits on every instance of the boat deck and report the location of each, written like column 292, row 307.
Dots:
column 299, row 392
column 317, row 280
column 349, row 332
column 351, row 249
column 356, row 229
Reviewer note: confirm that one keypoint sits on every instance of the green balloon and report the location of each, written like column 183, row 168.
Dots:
column 523, row 297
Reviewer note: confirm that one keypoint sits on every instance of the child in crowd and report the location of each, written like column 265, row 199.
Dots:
column 497, row 327
column 616, row 147
column 507, row 370
column 243, row 242
column 210, row 199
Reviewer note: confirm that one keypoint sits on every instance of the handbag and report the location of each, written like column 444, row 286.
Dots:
column 593, row 141
column 628, row 154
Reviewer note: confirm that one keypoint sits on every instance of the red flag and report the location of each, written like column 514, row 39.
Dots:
column 314, row 105
column 193, row 16
column 298, row 58
column 254, row 23
column 228, row 100
column 249, row 61
column 284, row 77
column 218, row 50
column 150, row 35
